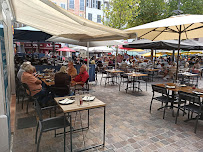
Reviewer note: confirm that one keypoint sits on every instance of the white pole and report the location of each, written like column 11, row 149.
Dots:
column 116, row 57
column 88, row 44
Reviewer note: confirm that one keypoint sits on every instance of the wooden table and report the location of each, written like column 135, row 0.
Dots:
column 51, row 83
column 186, row 89
column 113, row 73
column 135, row 75
column 67, row 109
column 189, row 76
column 152, row 71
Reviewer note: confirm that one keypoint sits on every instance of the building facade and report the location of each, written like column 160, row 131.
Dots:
column 61, row 3
column 94, row 10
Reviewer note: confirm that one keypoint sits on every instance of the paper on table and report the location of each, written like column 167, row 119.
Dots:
column 66, row 101
column 172, row 87
column 88, row 98
column 196, row 92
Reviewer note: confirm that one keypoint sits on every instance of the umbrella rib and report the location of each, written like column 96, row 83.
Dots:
column 187, row 27
column 185, row 30
column 149, row 32
column 159, row 34
column 196, row 28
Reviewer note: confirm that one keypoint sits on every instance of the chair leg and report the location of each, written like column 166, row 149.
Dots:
column 38, row 143
column 151, row 105
column 23, row 100
column 165, row 110
column 177, row 114
column 36, row 133
column 197, row 118
column 27, row 106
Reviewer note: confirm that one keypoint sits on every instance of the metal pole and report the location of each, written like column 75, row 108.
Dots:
column 53, row 44
column 88, row 44
column 179, row 5
column 178, row 52
column 116, row 57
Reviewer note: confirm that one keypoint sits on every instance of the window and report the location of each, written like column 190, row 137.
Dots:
column 96, row 3
column 71, row 4
column 98, row 18
column 93, row 3
column 87, row 3
column 90, row 16
column 63, row 6
column 82, row 5
column 99, row 5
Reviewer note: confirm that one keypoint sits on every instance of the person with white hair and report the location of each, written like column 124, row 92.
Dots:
column 82, row 77
column 35, row 85
column 22, row 69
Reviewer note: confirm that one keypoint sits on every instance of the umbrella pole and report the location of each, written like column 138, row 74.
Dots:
column 88, row 44
column 178, row 52
column 53, row 44
column 116, row 57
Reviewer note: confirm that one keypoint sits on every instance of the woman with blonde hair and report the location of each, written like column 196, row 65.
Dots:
column 62, row 82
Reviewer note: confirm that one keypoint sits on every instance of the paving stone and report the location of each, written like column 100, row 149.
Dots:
column 129, row 126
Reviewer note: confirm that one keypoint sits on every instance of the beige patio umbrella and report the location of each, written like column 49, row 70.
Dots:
column 175, row 27
column 136, row 50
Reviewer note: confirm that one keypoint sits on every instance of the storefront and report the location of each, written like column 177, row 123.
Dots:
column 29, row 47
column 7, row 77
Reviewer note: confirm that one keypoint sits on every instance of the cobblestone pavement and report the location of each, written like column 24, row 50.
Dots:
column 129, row 126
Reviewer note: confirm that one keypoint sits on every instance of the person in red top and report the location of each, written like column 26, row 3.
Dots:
column 82, row 77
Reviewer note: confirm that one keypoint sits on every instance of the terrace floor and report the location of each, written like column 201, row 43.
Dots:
column 129, row 126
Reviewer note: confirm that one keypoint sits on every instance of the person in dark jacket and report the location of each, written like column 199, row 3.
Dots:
column 62, row 82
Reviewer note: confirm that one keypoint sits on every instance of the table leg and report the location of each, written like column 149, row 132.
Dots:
column 104, row 126
column 64, row 134
column 88, row 118
column 71, row 144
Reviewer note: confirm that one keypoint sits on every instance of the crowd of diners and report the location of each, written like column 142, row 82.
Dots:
column 167, row 67
column 67, row 77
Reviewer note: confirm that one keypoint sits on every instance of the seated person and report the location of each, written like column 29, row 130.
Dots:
column 35, row 85
column 62, row 82
column 82, row 77
column 163, row 71
column 22, row 69
column 71, row 70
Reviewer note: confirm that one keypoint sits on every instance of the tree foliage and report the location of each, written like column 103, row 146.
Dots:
column 130, row 13
column 120, row 13
column 187, row 6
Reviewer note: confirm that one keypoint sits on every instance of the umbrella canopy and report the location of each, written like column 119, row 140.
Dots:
column 136, row 50
column 176, row 27
column 91, row 44
column 30, row 34
column 167, row 29
column 66, row 49
column 124, row 48
column 197, row 45
column 163, row 44
column 51, row 18
column 149, row 54
column 133, row 53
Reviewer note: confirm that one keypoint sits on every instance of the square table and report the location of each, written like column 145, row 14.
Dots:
column 135, row 75
column 186, row 89
column 67, row 109
column 113, row 73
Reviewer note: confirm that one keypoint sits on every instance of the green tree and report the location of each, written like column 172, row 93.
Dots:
column 187, row 6
column 120, row 13
column 149, row 11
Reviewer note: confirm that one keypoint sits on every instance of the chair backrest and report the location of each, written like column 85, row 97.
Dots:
column 38, row 110
column 27, row 89
column 192, row 98
column 60, row 91
column 159, row 89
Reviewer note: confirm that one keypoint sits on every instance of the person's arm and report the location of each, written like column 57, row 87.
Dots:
column 38, row 81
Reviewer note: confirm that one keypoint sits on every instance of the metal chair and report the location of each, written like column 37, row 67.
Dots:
column 192, row 104
column 85, row 87
column 27, row 93
column 60, row 91
column 48, row 124
column 164, row 98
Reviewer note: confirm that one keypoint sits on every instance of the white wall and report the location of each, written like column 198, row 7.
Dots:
column 94, row 13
